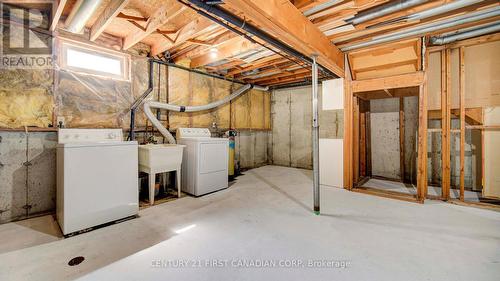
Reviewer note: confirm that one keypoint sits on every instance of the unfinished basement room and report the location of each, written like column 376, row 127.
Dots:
column 250, row 140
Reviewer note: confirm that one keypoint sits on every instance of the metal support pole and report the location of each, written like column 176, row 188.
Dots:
column 315, row 136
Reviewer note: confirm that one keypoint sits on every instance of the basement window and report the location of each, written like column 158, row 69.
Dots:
column 94, row 61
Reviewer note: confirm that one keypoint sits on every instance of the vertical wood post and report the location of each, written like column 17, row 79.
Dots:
column 462, row 121
column 402, row 138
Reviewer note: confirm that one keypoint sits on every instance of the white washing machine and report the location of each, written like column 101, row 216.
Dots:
column 97, row 178
column 205, row 161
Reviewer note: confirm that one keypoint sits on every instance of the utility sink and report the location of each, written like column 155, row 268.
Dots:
column 160, row 157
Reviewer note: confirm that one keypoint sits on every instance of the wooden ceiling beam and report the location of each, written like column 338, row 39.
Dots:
column 230, row 48
column 106, row 17
column 289, row 25
column 164, row 14
column 57, row 14
column 191, row 30
column 398, row 81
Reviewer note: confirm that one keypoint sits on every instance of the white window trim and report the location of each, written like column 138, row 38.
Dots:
column 63, row 45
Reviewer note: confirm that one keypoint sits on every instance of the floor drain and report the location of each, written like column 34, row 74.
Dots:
column 76, row 261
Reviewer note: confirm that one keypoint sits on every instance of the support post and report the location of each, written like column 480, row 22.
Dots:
column 315, row 136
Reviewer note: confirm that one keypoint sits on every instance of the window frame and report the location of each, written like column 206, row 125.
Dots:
column 124, row 58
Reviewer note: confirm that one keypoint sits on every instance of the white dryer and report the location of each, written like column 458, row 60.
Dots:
column 97, row 178
column 205, row 161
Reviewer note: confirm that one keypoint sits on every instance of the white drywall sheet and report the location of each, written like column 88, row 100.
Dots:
column 333, row 94
column 331, row 162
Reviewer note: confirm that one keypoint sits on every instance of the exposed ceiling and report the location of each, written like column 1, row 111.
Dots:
column 176, row 32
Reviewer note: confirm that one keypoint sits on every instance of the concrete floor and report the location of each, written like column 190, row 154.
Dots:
column 265, row 217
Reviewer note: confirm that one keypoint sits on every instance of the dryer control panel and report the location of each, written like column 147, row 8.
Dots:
column 193, row 133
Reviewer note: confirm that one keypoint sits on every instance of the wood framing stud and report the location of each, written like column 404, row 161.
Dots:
column 445, row 123
column 462, row 120
column 57, row 14
column 156, row 21
column 422, row 142
column 106, row 17
column 402, row 138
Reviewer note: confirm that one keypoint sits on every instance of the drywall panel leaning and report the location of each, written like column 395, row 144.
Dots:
column 331, row 161
column 491, row 153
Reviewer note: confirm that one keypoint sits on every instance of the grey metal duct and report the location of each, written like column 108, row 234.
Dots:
column 383, row 10
column 441, row 40
column 442, row 9
column 321, row 7
column 81, row 13
column 430, row 27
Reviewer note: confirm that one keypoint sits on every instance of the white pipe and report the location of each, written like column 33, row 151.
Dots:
column 153, row 104
column 80, row 14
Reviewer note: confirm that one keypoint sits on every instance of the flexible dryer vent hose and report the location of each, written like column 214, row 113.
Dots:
column 153, row 104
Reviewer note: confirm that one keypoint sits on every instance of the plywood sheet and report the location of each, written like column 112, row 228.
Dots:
column 434, row 81
column 482, row 82
column 390, row 71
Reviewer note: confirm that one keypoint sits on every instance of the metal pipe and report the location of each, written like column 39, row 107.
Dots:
column 321, row 7
column 383, row 10
column 139, row 100
column 252, row 29
column 315, row 135
column 441, row 40
column 426, row 28
column 80, row 14
column 442, row 9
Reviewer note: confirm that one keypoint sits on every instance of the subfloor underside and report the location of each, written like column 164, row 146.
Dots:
column 263, row 228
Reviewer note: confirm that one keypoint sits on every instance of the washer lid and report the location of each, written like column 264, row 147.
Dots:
column 90, row 135
column 97, row 144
